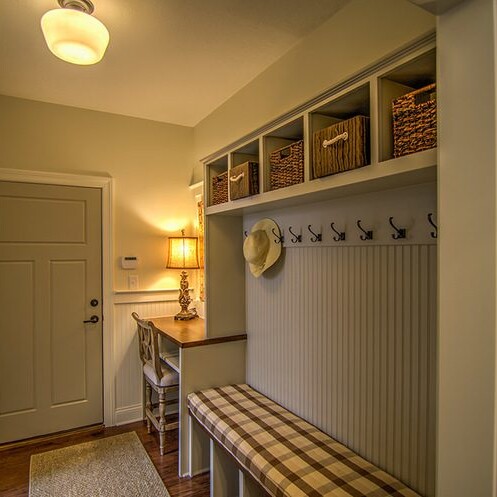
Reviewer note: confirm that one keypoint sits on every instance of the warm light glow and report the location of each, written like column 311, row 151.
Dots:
column 75, row 36
column 183, row 253
column 169, row 226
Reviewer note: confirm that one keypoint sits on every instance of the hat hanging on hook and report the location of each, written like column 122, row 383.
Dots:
column 261, row 248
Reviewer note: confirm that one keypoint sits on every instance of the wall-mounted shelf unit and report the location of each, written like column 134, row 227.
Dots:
column 371, row 97
column 368, row 95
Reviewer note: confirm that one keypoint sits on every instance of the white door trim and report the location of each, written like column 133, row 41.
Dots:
column 106, row 185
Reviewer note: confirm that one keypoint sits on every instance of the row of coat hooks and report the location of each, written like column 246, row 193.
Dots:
column 364, row 234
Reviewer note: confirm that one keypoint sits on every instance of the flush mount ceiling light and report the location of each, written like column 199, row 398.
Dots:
column 73, row 34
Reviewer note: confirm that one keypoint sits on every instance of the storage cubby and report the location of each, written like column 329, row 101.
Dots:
column 413, row 75
column 370, row 95
column 169, row 353
column 277, row 141
column 213, row 170
column 244, row 181
column 353, row 103
column 248, row 152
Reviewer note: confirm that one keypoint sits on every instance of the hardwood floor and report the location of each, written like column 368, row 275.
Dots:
column 14, row 463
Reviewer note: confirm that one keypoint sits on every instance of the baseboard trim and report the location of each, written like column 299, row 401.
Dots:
column 128, row 414
column 52, row 436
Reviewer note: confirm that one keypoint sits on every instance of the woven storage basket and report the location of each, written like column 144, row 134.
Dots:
column 415, row 121
column 220, row 188
column 287, row 165
column 244, row 180
column 341, row 147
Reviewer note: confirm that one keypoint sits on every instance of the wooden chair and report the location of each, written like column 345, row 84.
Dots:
column 157, row 376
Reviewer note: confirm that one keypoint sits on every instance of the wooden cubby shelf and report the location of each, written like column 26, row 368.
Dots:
column 368, row 94
column 370, row 97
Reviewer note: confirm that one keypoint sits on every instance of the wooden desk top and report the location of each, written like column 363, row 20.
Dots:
column 189, row 333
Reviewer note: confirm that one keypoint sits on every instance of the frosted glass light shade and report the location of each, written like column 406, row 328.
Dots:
column 75, row 36
column 183, row 253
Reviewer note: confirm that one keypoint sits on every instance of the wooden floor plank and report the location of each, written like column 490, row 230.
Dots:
column 14, row 463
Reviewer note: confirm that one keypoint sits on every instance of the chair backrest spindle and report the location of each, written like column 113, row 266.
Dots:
column 148, row 340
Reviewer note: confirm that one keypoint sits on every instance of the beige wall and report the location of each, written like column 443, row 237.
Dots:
column 150, row 162
column 361, row 33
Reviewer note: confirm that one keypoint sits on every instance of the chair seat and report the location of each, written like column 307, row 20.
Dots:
column 169, row 376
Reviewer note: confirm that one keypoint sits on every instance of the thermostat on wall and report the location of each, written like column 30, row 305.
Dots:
column 129, row 262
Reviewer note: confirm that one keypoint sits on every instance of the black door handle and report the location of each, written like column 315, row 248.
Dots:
column 93, row 319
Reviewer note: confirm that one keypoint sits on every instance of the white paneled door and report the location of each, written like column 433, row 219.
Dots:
column 50, row 309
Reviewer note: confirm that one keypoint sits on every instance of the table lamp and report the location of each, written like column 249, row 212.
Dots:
column 183, row 254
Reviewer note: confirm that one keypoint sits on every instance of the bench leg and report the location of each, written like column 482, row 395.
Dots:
column 224, row 473
column 248, row 488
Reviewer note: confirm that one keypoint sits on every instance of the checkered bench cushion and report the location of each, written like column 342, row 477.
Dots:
column 285, row 454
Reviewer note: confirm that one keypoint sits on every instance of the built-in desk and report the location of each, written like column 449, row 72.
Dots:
column 201, row 362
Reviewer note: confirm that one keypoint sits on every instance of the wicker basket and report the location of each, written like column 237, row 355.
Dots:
column 415, row 121
column 341, row 147
column 244, row 180
column 287, row 165
column 220, row 188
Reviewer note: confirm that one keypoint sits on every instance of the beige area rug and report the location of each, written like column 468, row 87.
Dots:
column 110, row 467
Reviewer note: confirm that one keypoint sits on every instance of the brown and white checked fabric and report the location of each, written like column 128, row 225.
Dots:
column 287, row 455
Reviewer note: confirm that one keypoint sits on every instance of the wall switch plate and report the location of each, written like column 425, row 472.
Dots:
column 133, row 282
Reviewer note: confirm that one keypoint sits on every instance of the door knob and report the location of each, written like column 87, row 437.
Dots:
column 93, row 319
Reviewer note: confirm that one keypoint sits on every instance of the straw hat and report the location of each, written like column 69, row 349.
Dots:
column 260, row 248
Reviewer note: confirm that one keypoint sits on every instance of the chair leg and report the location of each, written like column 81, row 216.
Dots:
column 148, row 400
column 144, row 399
column 162, row 421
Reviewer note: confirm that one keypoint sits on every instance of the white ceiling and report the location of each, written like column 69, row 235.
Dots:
column 168, row 60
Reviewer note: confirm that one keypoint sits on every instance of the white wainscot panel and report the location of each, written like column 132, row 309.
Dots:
column 346, row 338
column 128, row 369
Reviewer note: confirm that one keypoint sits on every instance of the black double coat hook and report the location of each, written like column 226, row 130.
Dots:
column 295, row 238
column 368, row 235
column 434, row 234
column 318, row 237
column 399, row 232
column 339, row 235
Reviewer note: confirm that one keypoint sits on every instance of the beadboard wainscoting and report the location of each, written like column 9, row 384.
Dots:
column 128, row 369
column 344, row 335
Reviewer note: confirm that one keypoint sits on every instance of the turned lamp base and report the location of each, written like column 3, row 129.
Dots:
column 184, row 300
column 185, row 316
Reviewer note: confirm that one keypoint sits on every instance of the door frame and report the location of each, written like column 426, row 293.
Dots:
column 105, row 184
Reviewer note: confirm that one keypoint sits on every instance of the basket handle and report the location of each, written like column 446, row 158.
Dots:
column 237, row 178
column 344, row 136
column 424, row 95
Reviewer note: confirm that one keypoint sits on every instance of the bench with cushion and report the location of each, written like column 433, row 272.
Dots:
column 286, row 455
